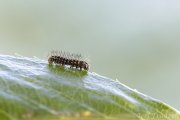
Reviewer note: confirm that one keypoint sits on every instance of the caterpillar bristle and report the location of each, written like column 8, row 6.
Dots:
column 68, row 59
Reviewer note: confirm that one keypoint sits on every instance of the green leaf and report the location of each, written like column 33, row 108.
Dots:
column 30, row 89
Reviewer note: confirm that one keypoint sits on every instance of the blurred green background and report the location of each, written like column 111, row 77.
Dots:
column 136, row 42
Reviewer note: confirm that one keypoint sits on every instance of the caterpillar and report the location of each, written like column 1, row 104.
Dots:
column 68, row 59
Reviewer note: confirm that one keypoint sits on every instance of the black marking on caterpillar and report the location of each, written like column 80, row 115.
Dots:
column 68, row 59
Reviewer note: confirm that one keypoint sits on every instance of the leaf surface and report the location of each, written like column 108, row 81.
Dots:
column 30, row 89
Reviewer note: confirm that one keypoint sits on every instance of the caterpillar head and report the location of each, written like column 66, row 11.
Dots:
column 51, row 60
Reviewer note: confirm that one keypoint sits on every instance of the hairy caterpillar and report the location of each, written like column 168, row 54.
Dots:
column 68, row 59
